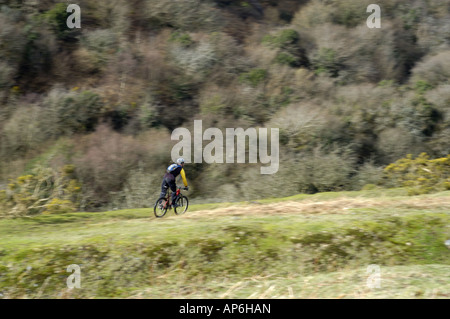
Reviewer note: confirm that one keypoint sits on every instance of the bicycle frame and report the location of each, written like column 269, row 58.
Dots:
column 169, row 197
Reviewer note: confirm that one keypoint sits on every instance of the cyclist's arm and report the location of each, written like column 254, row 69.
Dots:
column 183, row 176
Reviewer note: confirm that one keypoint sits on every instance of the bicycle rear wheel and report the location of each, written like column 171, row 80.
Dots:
column 182, row 205
column 161, row 207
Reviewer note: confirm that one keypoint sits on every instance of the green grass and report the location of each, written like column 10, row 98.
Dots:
column 130, row 253
column 405, row 282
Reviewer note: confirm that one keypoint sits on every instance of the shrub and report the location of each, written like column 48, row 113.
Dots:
column 102, row 44
column 327, row 61
column 440, row 96
column 100, row 40
column 284, row 39
column 307, row 172
column 312, row 14
column 141, row 190
column 349, row 13
column 41, row 49
column 230, row 56
column 43, row 191
column 290, row 52
column 394, row 143
column 420, row 117
column 187, row 15
column 86, row 61
column 59, row 206
column 323, row 171
column 148, row 113
column 213, row 104
column 299, row 124
column 374, row 56
column 421, row 175
column 421, row 87
column 286, row 58
column 434, row 34
column 23, row 131
column 368, row 177
column 434, row 69
column 103, row 164
column 198, row 58
column 439, row 144
column 6, row 75
column 72, row 111
column 12, row 39
column 253, row 77
column 356, row 55
column 184, row 39
column 113, row 14
column 254, row 106
column 56, row 17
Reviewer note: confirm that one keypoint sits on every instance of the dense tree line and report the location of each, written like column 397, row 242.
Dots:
column 99, row 103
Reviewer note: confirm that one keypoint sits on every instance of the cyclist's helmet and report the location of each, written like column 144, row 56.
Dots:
column 180, row 161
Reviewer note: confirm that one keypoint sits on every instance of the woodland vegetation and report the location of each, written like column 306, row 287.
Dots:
column 86, row 114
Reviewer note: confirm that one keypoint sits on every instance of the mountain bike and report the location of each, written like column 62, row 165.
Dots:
column 165, row 203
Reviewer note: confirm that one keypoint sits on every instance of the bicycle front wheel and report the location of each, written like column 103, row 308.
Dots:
column 161, row 207
column 182, row 205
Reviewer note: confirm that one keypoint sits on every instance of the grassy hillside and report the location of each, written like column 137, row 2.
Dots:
column 305, row 246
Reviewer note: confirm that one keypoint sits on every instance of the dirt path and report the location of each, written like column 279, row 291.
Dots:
column 335, row 206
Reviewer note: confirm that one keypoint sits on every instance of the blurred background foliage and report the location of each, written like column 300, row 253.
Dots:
column 100, row 102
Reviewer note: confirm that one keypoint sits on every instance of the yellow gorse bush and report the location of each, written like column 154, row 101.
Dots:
column 58, row 206
column 45, row 191
column 421, row 175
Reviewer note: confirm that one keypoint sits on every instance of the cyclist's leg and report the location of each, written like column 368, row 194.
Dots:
column 164, row 188
column 173, row 188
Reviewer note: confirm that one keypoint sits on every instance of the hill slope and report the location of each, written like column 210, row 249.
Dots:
column 305, row 246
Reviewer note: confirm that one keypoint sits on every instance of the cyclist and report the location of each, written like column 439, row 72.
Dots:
column 172, row 173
